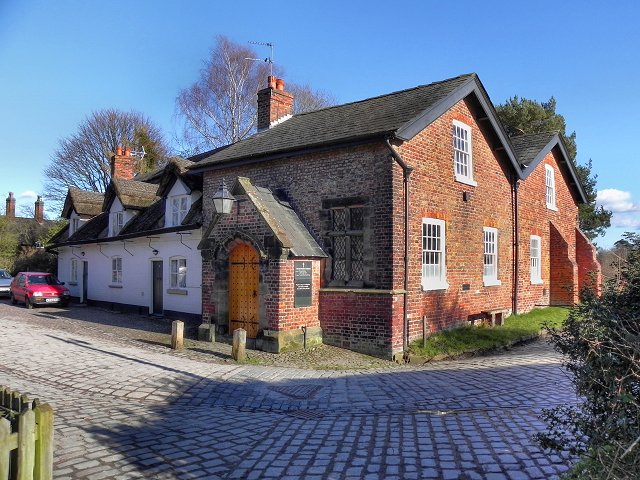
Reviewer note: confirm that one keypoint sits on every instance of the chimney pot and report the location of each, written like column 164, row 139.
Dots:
column 118, row 150
column 127, row 151
column 280, row 84
column 274, row 104
column 271, row 81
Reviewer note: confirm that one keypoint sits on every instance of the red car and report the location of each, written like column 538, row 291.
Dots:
column 38, row 288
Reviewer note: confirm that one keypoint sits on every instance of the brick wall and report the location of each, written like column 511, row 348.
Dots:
column 589, row 269
column 436, row 194
column 557, row 230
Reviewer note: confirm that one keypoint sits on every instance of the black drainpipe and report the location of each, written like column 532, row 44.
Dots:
column 516, row 246
column 406, row 171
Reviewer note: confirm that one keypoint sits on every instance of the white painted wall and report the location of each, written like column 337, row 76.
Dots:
column 136, row 271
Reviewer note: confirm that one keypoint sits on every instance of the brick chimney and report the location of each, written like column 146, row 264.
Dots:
column 39, row 210
column 274, row 104
column 10, row 211
column 123, row 164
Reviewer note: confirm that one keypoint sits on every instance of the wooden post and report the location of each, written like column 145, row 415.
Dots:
column 177, row 334
column 5, row 448
column 44, row 445
column 238, row 350
column 26, row 444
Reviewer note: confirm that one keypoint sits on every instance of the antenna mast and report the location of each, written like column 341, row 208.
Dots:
column 269, row 59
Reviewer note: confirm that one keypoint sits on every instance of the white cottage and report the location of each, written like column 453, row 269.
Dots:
column 135, row 247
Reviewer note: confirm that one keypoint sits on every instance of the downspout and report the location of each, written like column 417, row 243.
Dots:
column 406, row 172
column 516, row 246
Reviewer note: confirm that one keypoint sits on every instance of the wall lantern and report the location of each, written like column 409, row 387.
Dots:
column 223, row 200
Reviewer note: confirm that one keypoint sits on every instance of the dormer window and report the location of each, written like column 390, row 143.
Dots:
column 117, row 222
column 462, row 153
column 179, row 209
column 75, row 224
column 550, row 182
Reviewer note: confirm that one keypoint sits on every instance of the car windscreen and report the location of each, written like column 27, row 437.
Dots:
column 43, row 280
column 4, row 274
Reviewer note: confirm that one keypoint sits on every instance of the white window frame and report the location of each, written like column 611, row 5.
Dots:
column 73, row 277
column 550, row 187
column 116, row 270
column 462, row 153
column 75, row 225
column 179, row 209
column 490, row 257
column 535, row 259
column 117, row 223
column 178, row 278
column 434, row 275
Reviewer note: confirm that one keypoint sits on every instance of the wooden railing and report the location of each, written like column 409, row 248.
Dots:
column 26, row 437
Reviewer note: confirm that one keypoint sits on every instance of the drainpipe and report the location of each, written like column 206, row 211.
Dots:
column 516, row 246
column 406, row 171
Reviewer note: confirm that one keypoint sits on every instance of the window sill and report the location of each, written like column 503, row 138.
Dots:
column 491, row 283
column 115, row 285
column 433, row 287
column 537, row 282
column 177, row 291
column 552, row 207
column 466, row 181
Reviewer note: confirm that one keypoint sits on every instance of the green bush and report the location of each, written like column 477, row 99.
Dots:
column 601, row 344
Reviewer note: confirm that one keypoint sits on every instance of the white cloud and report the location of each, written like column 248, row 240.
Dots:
column 29, row 194
column 618, row 201
column 627, row 221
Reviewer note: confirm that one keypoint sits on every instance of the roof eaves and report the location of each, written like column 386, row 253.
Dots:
column 316, row 148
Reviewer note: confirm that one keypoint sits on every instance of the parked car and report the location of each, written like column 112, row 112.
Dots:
column 5, row 282
column 38, row 288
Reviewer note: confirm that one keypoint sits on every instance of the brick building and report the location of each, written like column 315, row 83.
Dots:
column 369, row 224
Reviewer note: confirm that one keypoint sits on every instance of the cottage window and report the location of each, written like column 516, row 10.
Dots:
column 535, row 254
column 550, row 182
column 434, row 275
column 490, row 257
column 116, row 270
column 75, row 223
column 178, row 273
column 462, row 153
column 117, row 222
column 348, row 244
column 179, row 208
column 73, row 278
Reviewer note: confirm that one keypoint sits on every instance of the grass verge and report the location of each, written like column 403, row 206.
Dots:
column 476, row 339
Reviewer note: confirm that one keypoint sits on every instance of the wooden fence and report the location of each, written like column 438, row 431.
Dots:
column 26, row 437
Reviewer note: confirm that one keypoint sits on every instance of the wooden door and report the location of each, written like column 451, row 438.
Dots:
column 157, row 301
column 244, row 280
column 85, row 281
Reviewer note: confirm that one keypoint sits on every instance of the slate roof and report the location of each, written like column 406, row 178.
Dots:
column 92, row 230
column 84, row 203
column 349, row 122
column 282, row 220
column 528, row 147
column 151, row 218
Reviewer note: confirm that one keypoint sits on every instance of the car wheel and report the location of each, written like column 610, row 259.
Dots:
column 13, row 299
column 27, row 302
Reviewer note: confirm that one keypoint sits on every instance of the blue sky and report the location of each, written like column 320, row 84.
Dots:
column 61, row 60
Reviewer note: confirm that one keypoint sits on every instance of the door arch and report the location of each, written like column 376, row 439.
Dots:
column 244, row 287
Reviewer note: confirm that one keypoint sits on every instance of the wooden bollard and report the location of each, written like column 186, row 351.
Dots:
column 239, row 350
column 177, row 334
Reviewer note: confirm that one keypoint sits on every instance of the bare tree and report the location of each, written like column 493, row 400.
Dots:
column 220, row 107
column 82, row 159
column 306, row 99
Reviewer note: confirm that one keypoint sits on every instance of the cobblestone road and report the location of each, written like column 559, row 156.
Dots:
column 129, row 410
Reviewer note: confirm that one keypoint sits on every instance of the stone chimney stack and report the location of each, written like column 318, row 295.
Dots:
column 274, row 104
column 10, row 211
column 123, row 164
column 39, row 210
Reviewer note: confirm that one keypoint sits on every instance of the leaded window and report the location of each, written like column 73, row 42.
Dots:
column 178, row 273
column 347, row 225
column 179, row 208
column 116, row 270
